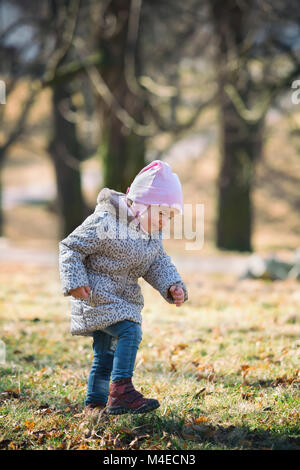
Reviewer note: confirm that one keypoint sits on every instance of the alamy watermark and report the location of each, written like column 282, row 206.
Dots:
column 2, row 92
column 296, row 94
column 188, row 227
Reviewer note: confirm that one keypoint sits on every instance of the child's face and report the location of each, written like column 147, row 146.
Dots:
column 152, row 218
column 158, row 217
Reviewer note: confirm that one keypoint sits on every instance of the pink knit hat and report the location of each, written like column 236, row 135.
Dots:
column 156, row 184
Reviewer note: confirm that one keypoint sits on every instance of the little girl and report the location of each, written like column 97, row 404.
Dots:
column 99, row 269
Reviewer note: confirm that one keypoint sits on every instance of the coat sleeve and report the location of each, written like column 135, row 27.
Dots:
column 162, row 274
column 83, row 241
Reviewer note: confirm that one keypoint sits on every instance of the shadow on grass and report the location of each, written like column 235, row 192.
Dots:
column 242, row 437
column 170, row 432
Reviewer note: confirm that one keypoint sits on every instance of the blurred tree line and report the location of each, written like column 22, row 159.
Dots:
column 114, row 68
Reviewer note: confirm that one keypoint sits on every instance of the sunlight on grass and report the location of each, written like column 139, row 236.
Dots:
column 224, row 366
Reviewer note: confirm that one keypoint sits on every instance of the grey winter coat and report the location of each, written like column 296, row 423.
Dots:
column 109, row 253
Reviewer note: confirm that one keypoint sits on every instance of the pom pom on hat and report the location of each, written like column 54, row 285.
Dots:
column 156, row 184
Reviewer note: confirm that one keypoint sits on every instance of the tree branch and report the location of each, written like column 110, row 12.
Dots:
column 259, row 111
column 108, row 97
column 177, row 128
column 67, row 39
column 19, row 127
column 64, row 72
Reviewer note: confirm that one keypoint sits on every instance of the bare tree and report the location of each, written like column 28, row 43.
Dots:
column 245, row 37
column 131, row 95
column 52, row 31
column 13, row 68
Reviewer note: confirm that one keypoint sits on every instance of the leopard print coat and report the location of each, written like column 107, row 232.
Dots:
column 109, row 252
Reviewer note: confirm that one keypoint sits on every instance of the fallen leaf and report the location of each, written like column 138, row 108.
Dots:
column 191, row 437
column 201, row 419
column 126, row 431
column 199, row 393
column 82, row 447
column 178, row 347
column 29, row 424
column 246, row 396
column 14, row 393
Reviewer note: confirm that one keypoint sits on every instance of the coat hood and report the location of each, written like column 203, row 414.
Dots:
column 113, row 202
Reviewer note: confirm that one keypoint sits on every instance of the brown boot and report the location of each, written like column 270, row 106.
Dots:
column 123, row 398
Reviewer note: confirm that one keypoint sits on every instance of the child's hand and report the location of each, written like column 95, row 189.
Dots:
column 177, row 294
column 81, row 292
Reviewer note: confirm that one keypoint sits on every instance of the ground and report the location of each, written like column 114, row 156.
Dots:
column 224, row 366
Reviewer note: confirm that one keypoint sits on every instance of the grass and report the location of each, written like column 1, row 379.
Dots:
column 223, row 366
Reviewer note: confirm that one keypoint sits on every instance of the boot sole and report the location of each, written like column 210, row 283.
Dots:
column 120, row 410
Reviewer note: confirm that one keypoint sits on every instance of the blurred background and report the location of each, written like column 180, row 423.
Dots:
column 95, row 90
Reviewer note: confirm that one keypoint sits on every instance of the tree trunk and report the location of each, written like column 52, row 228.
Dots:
column 66, row 153
column 122, row 153
column 122, row 150
column 240, row 146
column 240, row 139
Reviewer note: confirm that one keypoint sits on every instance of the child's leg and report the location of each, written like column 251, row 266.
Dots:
column 123, row 398
column 98, row 383
column 129, row 336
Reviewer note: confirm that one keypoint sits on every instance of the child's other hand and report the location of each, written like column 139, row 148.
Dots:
column 177, row 294
column 81, row 292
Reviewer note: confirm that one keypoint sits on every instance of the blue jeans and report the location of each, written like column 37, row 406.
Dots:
column 115, row 349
